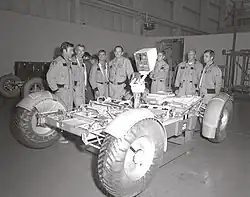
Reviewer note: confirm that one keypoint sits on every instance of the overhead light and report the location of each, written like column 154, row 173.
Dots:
column 148, row 23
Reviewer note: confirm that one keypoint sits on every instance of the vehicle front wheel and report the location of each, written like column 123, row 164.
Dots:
column 127, row 165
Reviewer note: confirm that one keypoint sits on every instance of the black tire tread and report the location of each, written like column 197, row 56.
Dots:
column 3, row 92
column 22, row 131
column 220, row 136
column 111, row 153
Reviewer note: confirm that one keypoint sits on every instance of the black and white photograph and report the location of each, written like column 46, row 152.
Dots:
column 125, row 98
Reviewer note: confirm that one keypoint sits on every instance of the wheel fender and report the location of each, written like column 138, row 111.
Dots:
column 31, row 100
column 8, row 74
column 212, row 114
column 123, row 122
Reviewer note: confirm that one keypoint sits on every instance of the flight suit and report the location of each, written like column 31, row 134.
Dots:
column 159, row 77
column 119, row 71
column 88, row 92
column 199, row 68
column 59, row 78
column 187, row 78
column 210, row 82
column 80, row 81
column 99, row 79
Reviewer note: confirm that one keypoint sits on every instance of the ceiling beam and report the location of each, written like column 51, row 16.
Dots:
column 136, row 13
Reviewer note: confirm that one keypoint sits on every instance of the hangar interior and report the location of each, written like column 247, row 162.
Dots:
column 32, row 30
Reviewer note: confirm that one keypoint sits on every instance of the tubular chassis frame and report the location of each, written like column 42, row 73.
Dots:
column 177, row 115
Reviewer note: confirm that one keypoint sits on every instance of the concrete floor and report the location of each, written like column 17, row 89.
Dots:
column 63, row 170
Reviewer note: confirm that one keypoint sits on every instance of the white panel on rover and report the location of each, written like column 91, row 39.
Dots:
column 145, row 60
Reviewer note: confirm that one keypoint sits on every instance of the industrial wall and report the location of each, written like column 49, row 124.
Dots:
column 217, row 42
column 27, row 38
column 172, row 17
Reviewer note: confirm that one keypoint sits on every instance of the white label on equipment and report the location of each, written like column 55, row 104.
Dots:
column 184, row 126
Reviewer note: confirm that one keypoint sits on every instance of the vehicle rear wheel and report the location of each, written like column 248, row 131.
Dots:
column 225, row 118
column 9, row 87
column 24, row 125
column 127, row 165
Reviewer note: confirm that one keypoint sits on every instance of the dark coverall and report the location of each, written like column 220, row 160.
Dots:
column 119, row 71
column 159, row 77
column 99, row 79
column 60, row 79
column 187, row 78
column 80, row 81
column 210, row 82
column 89, row 92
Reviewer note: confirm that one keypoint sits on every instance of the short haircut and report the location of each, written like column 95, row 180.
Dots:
column 80, row 45
column 102, row 51
column 211, row 53
column 193, row 50
column 87, row 54
column 66, row 45
column 94, row 57
column 118, row 46
column 162, row 52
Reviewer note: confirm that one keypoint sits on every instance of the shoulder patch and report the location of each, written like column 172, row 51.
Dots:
column 182, row 64
column 215, row 68
column 125, row 59
column 53, row 62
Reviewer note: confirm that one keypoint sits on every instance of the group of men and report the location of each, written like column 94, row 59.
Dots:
column 67, row 76
column 193, row 79
column 109, row 79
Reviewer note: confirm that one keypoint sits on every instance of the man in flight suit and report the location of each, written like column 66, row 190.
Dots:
column 120, row 69
column 159, row 75
column 88, row 64
column 79, row 76
column 59, row 75
column 211, row 78
column 99, row 78
column 188, row 75
column 60, row 79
